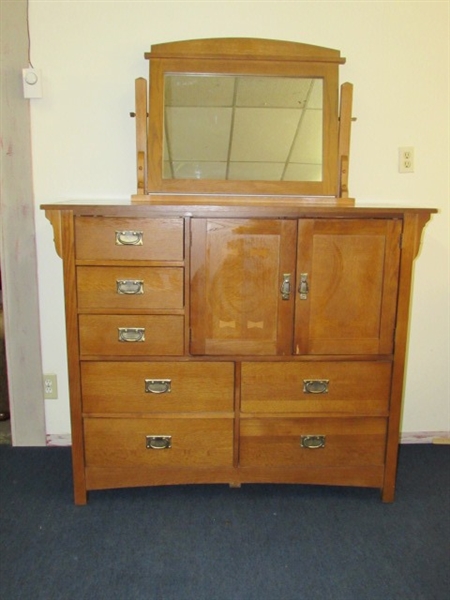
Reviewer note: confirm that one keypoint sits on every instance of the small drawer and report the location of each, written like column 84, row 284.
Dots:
column 111, row 238
column 312, row 442
column 131, row 335
column 158, row 442
column 130, row 287
column 118, row 387
column 316, row 387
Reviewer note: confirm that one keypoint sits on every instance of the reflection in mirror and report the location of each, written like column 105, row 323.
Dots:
column 243, row 128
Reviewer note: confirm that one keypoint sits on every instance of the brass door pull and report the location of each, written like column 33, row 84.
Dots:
column 286, row 286
column 303, row 288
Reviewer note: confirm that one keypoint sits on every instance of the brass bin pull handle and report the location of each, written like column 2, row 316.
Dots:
column 315, row 386
column 312, row 442
column 129, row 238
column 158, row 386
column 158, row 442
column 131, row 334
column 130, row 287
column 303, row 288
column 285, row 288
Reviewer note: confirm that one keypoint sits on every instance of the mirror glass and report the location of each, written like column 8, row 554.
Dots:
column 227, row 127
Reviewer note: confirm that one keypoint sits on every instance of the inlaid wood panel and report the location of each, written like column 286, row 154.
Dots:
column 237, row 270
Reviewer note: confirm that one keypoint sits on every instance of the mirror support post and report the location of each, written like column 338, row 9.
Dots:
column 141, row 134
column 345, row 120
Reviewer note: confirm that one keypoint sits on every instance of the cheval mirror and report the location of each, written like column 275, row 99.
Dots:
column 242, row 117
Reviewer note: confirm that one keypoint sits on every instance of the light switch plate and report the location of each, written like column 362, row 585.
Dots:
column 32, row 83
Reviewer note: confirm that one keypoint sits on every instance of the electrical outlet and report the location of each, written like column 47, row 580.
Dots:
column 50, row 386
column 406, row 160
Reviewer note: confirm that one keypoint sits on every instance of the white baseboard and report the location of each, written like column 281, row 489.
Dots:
column 58, row 439
column 423, row 437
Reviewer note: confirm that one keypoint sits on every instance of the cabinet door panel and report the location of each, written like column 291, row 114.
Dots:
column 237, row 270
column 352, row 273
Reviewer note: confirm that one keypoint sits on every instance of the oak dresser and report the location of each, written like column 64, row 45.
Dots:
column 228, row 327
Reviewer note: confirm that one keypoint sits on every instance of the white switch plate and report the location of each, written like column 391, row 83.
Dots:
column 32, row 83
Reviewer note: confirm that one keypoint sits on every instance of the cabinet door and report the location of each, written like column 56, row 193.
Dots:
column 348, row 270
column 242, row 286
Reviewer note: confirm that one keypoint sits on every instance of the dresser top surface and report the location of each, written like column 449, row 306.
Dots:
column 183, row 206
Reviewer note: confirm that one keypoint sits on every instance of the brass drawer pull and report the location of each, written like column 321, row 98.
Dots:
column 158, row 386
column 312, row 442
column 158, row 442
column 131, row 334
column 286, row 286
column 315, row 386
column 129, row 238
column 130, row 287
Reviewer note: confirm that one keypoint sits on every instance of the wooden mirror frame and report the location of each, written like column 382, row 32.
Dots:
column 239, row 56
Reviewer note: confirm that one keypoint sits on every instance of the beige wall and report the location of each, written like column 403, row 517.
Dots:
column 397, row 59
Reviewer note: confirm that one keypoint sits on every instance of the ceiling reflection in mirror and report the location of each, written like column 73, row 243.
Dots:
column 243, row 128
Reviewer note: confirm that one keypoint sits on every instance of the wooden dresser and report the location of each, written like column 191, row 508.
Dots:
column 239, row 320
column 235, row 344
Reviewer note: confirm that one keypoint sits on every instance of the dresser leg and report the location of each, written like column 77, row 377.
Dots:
column 80, row 497
column 388, row 494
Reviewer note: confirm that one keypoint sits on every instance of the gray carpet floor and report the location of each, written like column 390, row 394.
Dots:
column 260, row 542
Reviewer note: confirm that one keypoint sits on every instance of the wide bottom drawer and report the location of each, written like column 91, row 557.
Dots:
column 312, row 442
column 203, row 442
